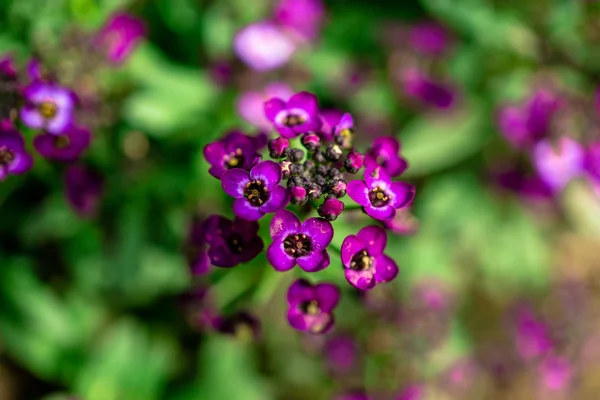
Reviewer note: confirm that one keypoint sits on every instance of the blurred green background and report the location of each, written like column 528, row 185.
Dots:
column 97, row 308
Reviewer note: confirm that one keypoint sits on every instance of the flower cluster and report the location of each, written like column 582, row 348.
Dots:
column 314, row 167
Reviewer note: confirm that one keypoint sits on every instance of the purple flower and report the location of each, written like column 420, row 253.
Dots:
column 235, row 150
column 83, row 189
column 311, row 307
column 256, row 192
column 556, row 372
column 302, row 243
column 304, row 18
column 231, row 242
column 532, row 335
column 65, row 147
column 14, row 159
column 379, row 196
column 7, row 69
column 263, row 46
column 413, row 392
column 529, row 187
column 250, row 105
column 429, row 38
column 354, row 162
column 278, row 147
column 525, row 125
column 364, row 261
column 341, row 353
column 559, row 166
column 592, row 161
column 120, row 36
column 329, row 120
column 48, row 106
column 385, row 152
column 300, row 114
column 429, row 92
column 331, row 208
column 404, row 223
column 195, row 249
column 242, row 325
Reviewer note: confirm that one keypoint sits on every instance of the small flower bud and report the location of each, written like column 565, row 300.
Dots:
column 335, row 174
column 321, row 170
column 298, row 195
column 333, row 152
column 311, row 141
column 353, row 162
column 296, row 155
column 344, row 138
column 309, row 165
column 314, row 191
column 295, row 181
column 331, row 208
column 319, row 157
column 285, row 169
column 296, row 169
column 338, row 189
column 278, row 146
column 320, row 180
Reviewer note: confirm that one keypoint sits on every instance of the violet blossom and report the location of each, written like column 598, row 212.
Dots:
column 303, row 18
column 14, row 159
column 231, row 242
column 235, row 150
column 300, row 114
column 120, row 36
column 48, row 106
column 83, row 189
column 385, row 152
column 263, row 46
column 65, row 147
column 311, row 306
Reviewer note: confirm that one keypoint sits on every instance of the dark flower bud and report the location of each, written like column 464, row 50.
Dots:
column 320, row 180
column 322, row 170
column 296, row 169
column 344, row 138
column 311, row 141
column 309, row 165
column 314, row 191
column 295, row 181
column 338, row 189
column 353, row 162
column 285, row 169
column 331, row 208
column 333, row 152
column 298, row 195
column 278, row 147
column 296, row 155
column 335, row 174
column 319, row 157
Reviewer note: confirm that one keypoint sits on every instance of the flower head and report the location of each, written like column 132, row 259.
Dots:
column 83, row 189
column 303, row 18
column 300, row 114
column 256, row 192
column 558, row 166
column 294, row 243
column 311, row 307
column 231, row 242
column 364, row 261
column 65, row 147
column 235, row 150
column 120, row 36
column 385, row 154
column 264, row 46
column 432, row 93
column 379, row 196
column 14, row 159
column 429, row 38
column 48, row 106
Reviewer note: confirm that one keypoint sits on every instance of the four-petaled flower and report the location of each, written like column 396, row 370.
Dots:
column 65, row 147
column 84, row 188
column 364, row 262
column 299, row 115
column 235, row 150
column 120, row 36
column 14, row 159
column 231, row 242
column 302, row 243
column 48, row 106
column 379, row 196
column 256, row 192
column 384, row 153
column 311, row 307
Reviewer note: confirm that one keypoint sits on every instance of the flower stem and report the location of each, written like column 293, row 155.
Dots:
column 353, row 207
column 335, row 248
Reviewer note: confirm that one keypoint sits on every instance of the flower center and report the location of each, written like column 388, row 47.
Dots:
column 310, row 307
column 48, row 109
column 297, row 245
column 62, row 142
column 361, row 261
column 235, row 159
column 378, row 197
column 256, row 193
column 6, row 155
column 236, row 243
column 293, row 120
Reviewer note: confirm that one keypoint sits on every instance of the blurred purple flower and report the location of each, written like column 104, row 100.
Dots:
column 404, row 223
column 300, row 114
column 341, row 353
column 531, row 335
column 83, row 189
column 413, row 392
column 329, row 120
column 364, row 261
column 385, row 152
column 66, row 147
column 231, row 242
column 303, row 18
column 559, row 165
column 7, row 69
column 429, row 38
column 294, row 243
column 14, row 159
column 250, row 105
column 235, row 150
column 263, row 46
column 331, row 208
column 556, row 372
column 530, row 187
column 48, row 106
column 592, row 161
column 379, row 196
column 256, row 192
column 428, row 91
column 311, row 307
column 120, row 36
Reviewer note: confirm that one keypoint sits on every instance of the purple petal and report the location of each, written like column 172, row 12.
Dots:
column 269, row 172
column 351, row 245
column 214, row 152
column 403, row 194
column 327, row 295
column 287, row 132
column 377, row 177
column 21, row 164
column 374, row 239
column 243, row 209
column 280, row 198
column 252, row 249
column 346, row 122
column 214, row 228
column 272, row 107
column 315, row 261
column 60, row 122
column 234, row 182
column 32, row 117
column 358, row 191
column 284, row 222
column 385, row 269
column 297, row 320
column 381, row 213
column 363, row 280
column 300, row 291
column 220, row 256
column 278, row 258
column 320, row 232
column 305, row 101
